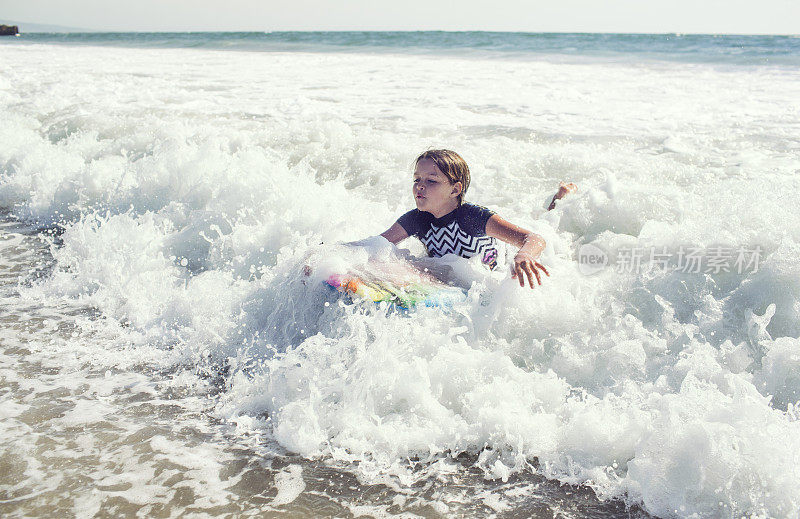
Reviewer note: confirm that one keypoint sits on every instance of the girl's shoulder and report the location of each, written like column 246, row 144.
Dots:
column 472, row 218
column 412, row 221
column 470, row 208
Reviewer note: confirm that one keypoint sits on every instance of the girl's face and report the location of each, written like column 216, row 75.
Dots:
column 433, row 191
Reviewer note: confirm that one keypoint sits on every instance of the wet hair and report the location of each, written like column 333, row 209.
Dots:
column 451, row 165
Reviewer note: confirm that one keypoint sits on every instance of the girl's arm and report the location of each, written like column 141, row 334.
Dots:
column 395, row 233
column 530, row 246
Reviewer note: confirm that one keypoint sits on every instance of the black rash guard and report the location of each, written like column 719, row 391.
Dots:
column 461, row 232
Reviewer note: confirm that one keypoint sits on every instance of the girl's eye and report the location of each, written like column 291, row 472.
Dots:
column 416, row 180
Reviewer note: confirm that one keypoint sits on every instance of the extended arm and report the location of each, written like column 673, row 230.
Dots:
column 395, row 233
column 530, row 246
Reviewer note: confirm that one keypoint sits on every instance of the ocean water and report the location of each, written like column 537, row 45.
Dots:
column 162, row 354
column 759, row 50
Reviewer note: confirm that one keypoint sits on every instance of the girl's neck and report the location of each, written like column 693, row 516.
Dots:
column 446, row 209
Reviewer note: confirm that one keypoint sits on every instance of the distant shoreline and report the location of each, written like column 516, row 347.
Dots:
column 36, row 28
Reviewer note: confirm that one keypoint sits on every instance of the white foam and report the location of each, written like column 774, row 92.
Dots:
column 191, row 203
column 289, row 482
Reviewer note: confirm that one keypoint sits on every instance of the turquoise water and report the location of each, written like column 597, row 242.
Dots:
column 757, row 50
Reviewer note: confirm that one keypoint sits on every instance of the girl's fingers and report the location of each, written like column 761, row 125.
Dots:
column 542, row 268
column 527, row 268
column 531, row 270
column 538, row 277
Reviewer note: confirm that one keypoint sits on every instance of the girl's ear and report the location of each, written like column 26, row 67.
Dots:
column 457, row 188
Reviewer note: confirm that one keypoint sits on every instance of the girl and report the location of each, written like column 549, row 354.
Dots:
column 447, row 225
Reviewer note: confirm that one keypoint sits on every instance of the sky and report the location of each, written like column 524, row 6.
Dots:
column 644, row 16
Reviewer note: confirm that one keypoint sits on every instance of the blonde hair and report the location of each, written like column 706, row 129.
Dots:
column 451, row 165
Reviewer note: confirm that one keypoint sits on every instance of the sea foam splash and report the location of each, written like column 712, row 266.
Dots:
column 191, row 187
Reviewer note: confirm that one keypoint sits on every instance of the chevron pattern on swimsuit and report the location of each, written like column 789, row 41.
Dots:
column 452, row 240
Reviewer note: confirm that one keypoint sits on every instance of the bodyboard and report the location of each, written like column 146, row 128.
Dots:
column 398, row 284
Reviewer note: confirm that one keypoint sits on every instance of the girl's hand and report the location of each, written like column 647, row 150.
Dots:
column 564, row 188
column 524, row 265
